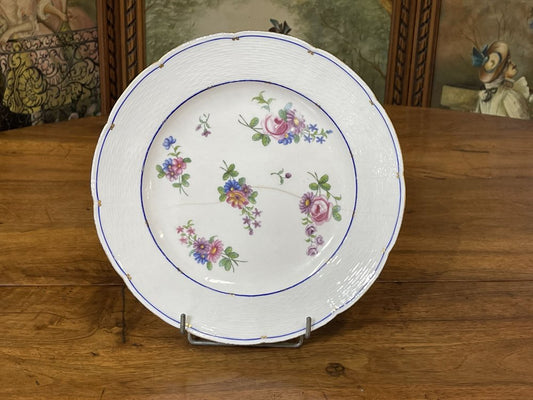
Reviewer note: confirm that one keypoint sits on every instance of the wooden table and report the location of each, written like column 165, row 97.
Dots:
column 451, row 315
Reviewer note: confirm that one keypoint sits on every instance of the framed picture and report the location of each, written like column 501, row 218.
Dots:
column 134, row 33
column 49, row 64
column 411, row 52
column 467, row 55
column 138, row 33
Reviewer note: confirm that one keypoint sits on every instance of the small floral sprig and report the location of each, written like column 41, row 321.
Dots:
column 208, row 251
column 261, row 100
column 204, row 125
column 253, row 125
column 173, row 168
column 286, row 127
column 238, row 194
column 282, row 176
column 313, row 134
column 318, row 209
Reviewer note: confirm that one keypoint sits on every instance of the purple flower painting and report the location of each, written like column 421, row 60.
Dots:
column 207, row 252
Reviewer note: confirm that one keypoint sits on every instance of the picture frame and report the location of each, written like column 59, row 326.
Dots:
column 122, row 49
column 413, row 40
column 412, row 49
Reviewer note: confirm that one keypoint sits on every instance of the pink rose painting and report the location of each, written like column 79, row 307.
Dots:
column 275, row 126
column 320, row 210
column 285, row 126
column 319, row 206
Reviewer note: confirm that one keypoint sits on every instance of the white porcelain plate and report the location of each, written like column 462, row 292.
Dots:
column 249, row 181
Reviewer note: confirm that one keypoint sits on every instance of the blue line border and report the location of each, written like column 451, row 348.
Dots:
column 378, row 268
column 242, row 294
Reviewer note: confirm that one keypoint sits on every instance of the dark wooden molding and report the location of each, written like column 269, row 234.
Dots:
column 399, row 50
column 121, row 44
column 413, row 42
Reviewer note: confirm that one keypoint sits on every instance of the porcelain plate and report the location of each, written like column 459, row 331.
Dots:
column 248, row 181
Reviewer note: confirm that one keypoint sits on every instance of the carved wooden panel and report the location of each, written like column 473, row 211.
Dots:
column 121, row 43
column 413, row 41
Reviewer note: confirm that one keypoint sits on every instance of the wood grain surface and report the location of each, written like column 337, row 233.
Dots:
column 450, row 317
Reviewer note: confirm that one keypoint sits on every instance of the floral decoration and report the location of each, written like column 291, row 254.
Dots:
column 318, row 209
column 205, row 251
column 204, row 125
column 282, row 175
column 285, row 127
column 238, row 194
column 173, row 168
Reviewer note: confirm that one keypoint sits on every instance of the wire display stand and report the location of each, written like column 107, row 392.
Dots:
column 197, row 341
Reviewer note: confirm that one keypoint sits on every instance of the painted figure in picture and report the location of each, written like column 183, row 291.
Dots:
column 21, row 16
column 502, row 96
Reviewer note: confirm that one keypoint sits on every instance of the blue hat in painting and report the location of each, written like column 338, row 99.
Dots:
column 491, row 60
column 479, row 57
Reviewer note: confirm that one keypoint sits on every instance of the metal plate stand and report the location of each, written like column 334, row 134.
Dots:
column 194, row 340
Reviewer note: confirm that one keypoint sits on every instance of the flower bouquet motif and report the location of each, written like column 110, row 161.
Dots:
column 207, row 251
column 285, row 127
column 203, row 125
column 238, row 194
column 173, row 168
column 318, row 209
